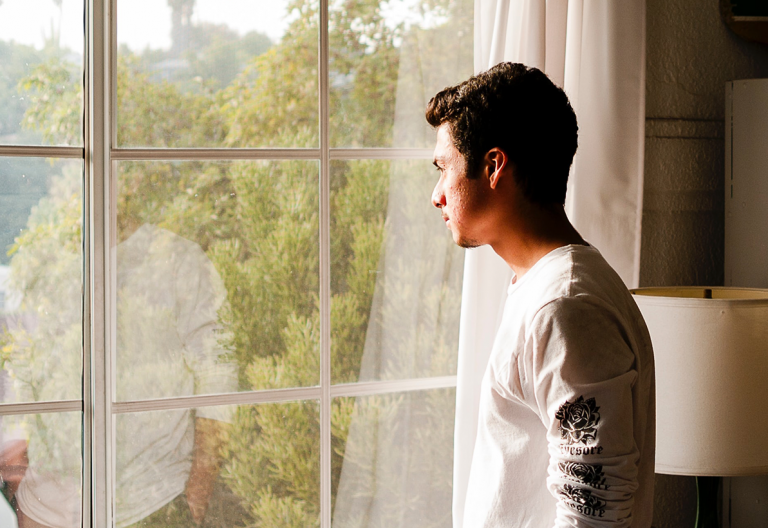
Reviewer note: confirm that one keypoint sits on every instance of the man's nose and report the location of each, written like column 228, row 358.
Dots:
column 438, row 196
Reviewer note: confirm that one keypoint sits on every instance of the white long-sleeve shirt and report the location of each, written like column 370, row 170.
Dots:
column 566, row 430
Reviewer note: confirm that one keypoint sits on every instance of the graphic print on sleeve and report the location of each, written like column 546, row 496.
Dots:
column 578, row 421
column 588, row 474
column 581, row 500
column 578, row 427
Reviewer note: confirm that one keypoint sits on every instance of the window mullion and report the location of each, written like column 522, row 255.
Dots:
column 381, row 154
column 325, row 275
column 41, row 407
column 34, row 151
column 213, row 154
column 97, row 417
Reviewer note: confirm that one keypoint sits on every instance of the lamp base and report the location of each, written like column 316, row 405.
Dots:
column 706, row 498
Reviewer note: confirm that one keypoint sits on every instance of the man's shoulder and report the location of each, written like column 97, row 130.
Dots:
column 572, row 276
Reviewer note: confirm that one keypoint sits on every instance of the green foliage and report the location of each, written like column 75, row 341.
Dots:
column 258, row 223
column 273, row 102
column 63, row 71
column 23, row 180
column 270, row 267
column 55, row 109
column 357, row 230
column 14, row 61
column 273, row 463
column 45, row 359
column 46, row 265
column 160, row 115
column 363, row 69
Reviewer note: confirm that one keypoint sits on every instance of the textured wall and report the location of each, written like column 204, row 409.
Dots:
column 690, row 56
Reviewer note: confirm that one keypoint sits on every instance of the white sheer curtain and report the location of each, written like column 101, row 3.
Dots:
column 396, row 469
column 595, row 50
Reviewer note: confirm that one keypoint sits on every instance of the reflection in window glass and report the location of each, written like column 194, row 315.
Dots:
column 213, row 73
column 395, row 274
column 41, row 263
column 387, row 59
column 217, row 277
column 40, row 463
column 41, row 72
column 394, row 462
column 250, row 465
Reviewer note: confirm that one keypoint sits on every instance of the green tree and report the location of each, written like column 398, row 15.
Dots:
column 55, row 109
column 14, row 61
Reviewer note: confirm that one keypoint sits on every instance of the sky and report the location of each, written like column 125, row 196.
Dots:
column 142, row 23
column 17, row 23
column 147, row 23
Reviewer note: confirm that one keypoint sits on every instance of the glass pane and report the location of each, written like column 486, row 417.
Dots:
column 393, row 459
column 248, row 465
column 395, row 274
column 41, row 262
column 387, row 59
column 40, row 464
column 217, row 73
column 217, row 277
column 41, row 72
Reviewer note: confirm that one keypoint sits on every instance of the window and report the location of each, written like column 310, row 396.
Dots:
column 225, row 294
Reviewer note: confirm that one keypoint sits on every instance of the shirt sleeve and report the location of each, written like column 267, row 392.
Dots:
column 583, row 371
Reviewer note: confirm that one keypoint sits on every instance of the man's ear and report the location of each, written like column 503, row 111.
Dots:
column 496, row 161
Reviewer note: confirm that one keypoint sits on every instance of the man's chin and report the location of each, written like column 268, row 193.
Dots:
column 467, row 243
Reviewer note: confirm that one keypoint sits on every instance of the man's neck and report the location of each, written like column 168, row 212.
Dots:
column 531, row 233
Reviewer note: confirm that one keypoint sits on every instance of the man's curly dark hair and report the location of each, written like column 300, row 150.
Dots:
column 519, row 110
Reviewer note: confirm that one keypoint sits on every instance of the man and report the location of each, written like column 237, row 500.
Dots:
column 566, row 424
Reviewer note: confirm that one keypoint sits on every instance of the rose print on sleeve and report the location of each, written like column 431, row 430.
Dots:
column 589, row 474
column 578, row 421
column 583, row 501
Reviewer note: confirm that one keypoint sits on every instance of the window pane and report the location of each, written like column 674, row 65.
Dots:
column 41, row 262
column 387, row 59
column 393, row 462
column 217, row 277
column 40, row 462
column 217, row 73
column 41, row 72
column 395, row 274
column 248, row 465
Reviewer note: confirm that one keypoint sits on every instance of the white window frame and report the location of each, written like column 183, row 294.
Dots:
column 100, row 155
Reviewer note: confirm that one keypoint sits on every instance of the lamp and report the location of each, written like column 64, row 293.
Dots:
column 711, row 354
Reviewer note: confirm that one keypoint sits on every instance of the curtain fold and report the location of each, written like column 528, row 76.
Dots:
column 394, row 470
column 595, row 50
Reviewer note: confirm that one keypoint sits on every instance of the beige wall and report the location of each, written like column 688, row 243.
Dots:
column 691, row 54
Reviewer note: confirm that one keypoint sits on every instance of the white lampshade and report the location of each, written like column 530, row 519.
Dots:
column 711, row 359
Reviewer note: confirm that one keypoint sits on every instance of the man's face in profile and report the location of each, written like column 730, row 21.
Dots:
column 461, row 200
